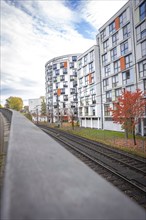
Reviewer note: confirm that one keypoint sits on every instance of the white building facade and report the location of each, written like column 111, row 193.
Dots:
column 89, row 90
column 61, row 87
column 122, row 43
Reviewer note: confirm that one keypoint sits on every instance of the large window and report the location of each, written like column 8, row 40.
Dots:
column 107, row 70
column 103, row 35
column 114, row 54
column 109, row 96
column 116, row 66
column 104, row 59
column 142, row 10
column 86, row 80
column 91, row 55
column 115, row 81
column 123, row 18
column 85, row 60
column 107, row 110
column 127, row 77
column 126, row 31
column 118, row 93
column 91, row 67
column 143, row 48
column 115, row 39
column 105, row 83
column 112, row 27
column 141, row 31
column 81, row 82
column 142, row 69
column 124, row 48
column 128, row 61
column 105, row 45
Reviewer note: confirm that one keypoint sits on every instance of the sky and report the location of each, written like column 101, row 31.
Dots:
column 35, row 31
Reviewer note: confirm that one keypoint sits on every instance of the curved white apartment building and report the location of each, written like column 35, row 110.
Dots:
column 61, row 87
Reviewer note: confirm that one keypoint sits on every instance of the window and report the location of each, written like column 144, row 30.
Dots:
column 143, row 48
column 127, row 77
column 93, row 99
column 115, row 80
column 74, row 58
column 71, row 64
column 118, row 93
column 85, row 70
column 142, row 11
column 57, row 72
column 85, row 60
column 141, row 31
column 72, row 91
column 106, row 110
column 80, row 63
column 91, row 68
column 86, row 80
column 112, row 27
column 86, row 111
column 63, row 91
column 128, row 61
column 81, row 82
column 62, row 78
column 115, row 39
column 126, row 31
column 130, row 88
column 123, row 18
column 91, row 78
column 103, row 35
column 117, row 66
column 92, row 91
column 109, row 96
column 105, row 83
column 124, row 48
column 92, row 110
column 91, row 55
column 114, row 54
column 105, row 45
column 72, row 78
column 104, row 59
column 107, row 70
column 54, row 66
column 65, row 97
column 65, row 84
column 62, row 65
column 64, row 70
column 142, row 69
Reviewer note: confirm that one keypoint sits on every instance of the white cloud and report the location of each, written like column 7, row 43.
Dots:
column 29, row 40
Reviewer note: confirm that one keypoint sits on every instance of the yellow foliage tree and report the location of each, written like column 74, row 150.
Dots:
column 15, row 103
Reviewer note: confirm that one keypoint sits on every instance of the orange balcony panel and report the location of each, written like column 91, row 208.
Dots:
column 89, row 78
column 117, row 23
column 122, row 63
column 65, row 64
column 58, row 92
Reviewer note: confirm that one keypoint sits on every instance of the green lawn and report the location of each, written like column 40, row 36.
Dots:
column 112, row 139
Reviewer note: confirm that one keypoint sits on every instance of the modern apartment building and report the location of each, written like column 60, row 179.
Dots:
column 122, row 43
column 89, row 89
column 61, row 87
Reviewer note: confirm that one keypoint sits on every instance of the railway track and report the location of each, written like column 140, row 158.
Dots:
column 125, row 171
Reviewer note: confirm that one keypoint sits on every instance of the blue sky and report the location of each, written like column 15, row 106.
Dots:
column 35, row 31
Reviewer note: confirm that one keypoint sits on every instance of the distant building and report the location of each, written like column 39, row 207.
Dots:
column 61, row 87
column 35, row 109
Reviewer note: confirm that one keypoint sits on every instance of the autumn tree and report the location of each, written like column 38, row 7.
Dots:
column 128, row 109
column 15, row 103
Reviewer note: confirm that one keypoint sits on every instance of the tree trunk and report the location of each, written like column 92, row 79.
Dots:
column 126, row 133
column 134, row 139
